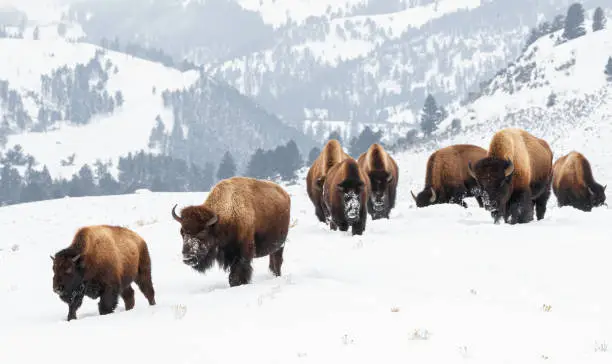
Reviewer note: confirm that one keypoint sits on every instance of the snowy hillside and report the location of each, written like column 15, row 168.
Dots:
column 122, row 100
column 470, row 290
column 351, row 61
column 556, row 89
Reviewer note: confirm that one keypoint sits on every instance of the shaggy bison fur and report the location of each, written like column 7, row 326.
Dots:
column 331, row 155
column 516, row 173
column 447, row 179
column 345, row 193
column 102, row 262
column 241, row 219
column 574, row 185
column 382, row 172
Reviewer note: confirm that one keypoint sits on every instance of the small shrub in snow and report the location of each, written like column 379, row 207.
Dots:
column 546, row 308
column 420, row 334
column 346, row 340
column 395, row 309
column 15, row 247
column 602, row 347
column 179, row 311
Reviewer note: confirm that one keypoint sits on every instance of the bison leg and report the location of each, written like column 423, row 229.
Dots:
column 74, row 306
column 108, row 301
column 359, row 226
column 520, row 208
column 128, row 297
column 320, row 213
column 240, row 273
column 276, row 261
column 479, row 200
column 540, row 204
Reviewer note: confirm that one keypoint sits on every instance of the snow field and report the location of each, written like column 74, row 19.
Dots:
column 439, row 284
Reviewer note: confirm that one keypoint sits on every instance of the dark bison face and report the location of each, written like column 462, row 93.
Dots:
column 197, row 232
column 597, row 195
column 68, row 275
column 351, row 193
column 425, row 197
column 494, row 178
column 379, row 185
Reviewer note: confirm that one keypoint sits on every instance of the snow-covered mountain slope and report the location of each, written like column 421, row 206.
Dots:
column 354, row 61
column 52, row 119
column 440, row 284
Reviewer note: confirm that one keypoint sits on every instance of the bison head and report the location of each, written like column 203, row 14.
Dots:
column 494, row 179
column 425, row 198
column 379, row 187
column 351, row 193
column 68, row 274
column 198, row 230
column 597, row 194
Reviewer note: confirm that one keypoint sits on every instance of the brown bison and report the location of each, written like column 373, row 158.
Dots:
column 345, row 192
column 242, row 218
column 447, row 179
column 574, row 185
column 382, row 172
column 516, row 173
column 102, row 261
column 331, row 155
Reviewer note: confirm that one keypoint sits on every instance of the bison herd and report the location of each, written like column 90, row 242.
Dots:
column 244, row 218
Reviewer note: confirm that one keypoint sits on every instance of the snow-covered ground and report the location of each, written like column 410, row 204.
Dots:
column 435, row 285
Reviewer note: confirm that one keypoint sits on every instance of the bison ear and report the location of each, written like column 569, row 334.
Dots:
column 340, row 188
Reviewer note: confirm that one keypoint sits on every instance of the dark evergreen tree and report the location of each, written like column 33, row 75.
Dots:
column 291, row 161
column 227, row 167
column 257, row 167
column 82, row 184
column 157, row 136
column 10, row 185
column 608, row 68
column 431, row 115
column 335, row 135
column 313, row 154
column 574, row 22
column 119, row 98
column 552, row 99
column 361, row 143
column 599, row 19
column 456, row 125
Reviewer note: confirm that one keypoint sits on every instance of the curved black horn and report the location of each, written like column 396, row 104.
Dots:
column 175, row 216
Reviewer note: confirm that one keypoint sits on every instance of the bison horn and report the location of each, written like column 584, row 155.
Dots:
column 175, row 216
column 212, row 220
column 51, row 256
column 389, row 177
column 433, row 195
column 413, row 196
column 470, row 171
column 76, row 258
column 605, row 187
column 591, row 191
column 509, row 169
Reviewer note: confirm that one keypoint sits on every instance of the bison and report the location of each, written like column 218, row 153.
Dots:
column 574, row 185
column 331, row 155
column 102, row 261
column 382, row 172
column 515, row 174
column 242, row 218
column 345, row 192
column 447, row 179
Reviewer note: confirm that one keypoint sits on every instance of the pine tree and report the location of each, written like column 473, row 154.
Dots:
column 366, row 138
column 313, row 154
column 431, row 115
column 292, row 161
column 552, row 99
column 227, row 167
column 608, row 69
column 335, row 135
column 256, row 165
column 599, row 19
column 574, row 22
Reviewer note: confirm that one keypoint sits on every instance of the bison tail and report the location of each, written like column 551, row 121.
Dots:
column 144, row 263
